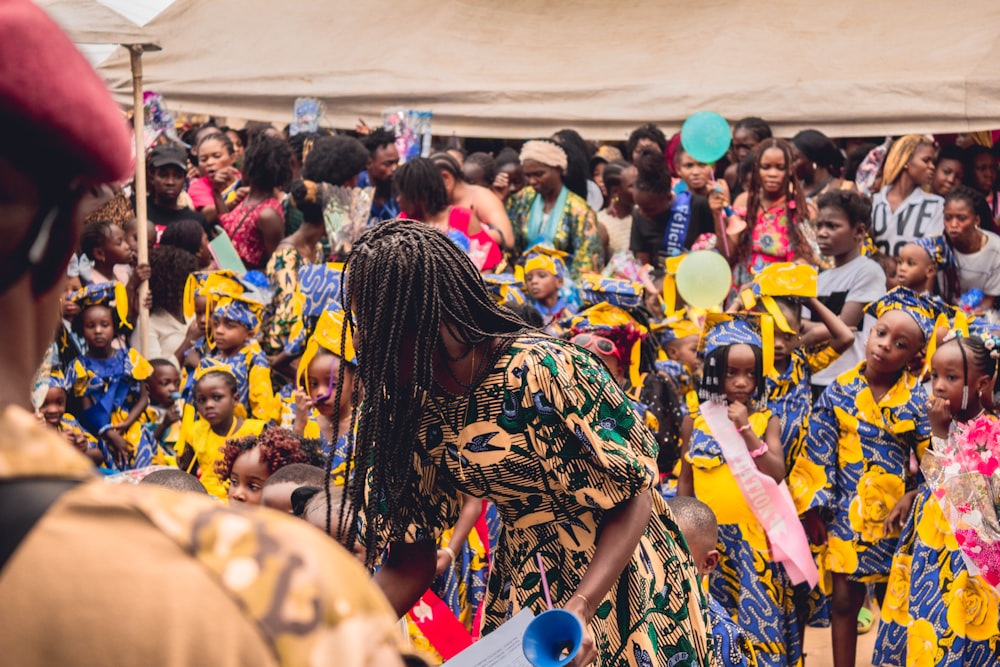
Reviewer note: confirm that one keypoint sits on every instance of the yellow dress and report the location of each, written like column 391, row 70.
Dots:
column 207, row 446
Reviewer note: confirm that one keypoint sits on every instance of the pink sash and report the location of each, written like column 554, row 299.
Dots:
column 769, row 501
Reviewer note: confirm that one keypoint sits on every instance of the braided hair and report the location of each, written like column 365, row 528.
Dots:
column 794, row 193
column 982, row 355
column 399, row 332
column 713, row 375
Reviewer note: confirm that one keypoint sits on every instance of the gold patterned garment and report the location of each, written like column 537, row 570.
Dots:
column 553, row 442
column 144, row 575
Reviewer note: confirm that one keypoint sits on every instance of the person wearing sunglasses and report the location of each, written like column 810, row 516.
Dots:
column 62, row 137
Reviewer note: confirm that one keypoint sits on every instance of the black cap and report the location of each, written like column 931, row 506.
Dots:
column 168, row 154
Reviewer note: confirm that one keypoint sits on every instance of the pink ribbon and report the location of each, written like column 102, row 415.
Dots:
column 769, row 501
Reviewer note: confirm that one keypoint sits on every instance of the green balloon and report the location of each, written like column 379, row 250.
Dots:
column 704, row 279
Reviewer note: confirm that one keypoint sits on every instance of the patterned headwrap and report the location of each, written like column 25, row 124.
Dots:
column 196, row 284
column 610, row 321
column 329, row 336
column 595, row 289
column 504, row 288
column 900, row 154
column 212, row 365
column 547, row 152
column 676, row 327
column 545, row 258
column 234, row 300
column 111, row 295
column 724, row 329
column 318, row 290
column 58, row 379
column 939, row 250
column 924, row 311
column 780, row 279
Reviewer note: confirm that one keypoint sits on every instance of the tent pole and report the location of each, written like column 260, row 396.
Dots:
column 139, row 121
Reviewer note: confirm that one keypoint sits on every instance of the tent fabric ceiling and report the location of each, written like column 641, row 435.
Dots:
column 525, row 68
column 89, row 22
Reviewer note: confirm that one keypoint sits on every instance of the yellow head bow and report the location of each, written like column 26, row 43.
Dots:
column 211, row 365
column 329, row 335
column 542, row 257
column 671, row 264
column 780, row 279
column 111, row 295
column 610, row 318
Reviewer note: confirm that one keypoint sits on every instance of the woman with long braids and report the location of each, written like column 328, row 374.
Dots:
column 462, row 398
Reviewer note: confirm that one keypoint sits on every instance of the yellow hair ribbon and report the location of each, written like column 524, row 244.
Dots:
column 671, row 265
column 121, row 305
column 767, row 344
column 330, row 335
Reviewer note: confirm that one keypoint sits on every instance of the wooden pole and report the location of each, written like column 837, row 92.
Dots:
column 139, row 123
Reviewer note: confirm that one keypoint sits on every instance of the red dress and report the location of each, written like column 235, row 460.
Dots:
column 483, row 250
column 241, row 226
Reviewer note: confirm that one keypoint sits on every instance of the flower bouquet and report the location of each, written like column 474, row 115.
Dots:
column 963, row 473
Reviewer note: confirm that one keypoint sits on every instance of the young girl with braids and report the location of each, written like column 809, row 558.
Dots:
column 770, row 215
column 936, row 612
column 753, row 588
column 461, row 399
column 249, row 461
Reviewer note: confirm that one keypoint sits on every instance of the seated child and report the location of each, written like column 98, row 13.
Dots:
column 54, row 413
column 544, row 275
column 249, row 461
column 201, row 442
column 108, row 381
column 278, row 488
column 700, row 529
column 178, row 480
column 235, row 320
column 164, row 425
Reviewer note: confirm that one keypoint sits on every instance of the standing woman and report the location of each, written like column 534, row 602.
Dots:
column 257, row 224
column 619, row 181
column 817, row 163
column 219, row 177
column 902, row 211
column 546, row 212
column 462, row 399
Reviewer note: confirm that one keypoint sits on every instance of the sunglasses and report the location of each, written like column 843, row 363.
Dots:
column 595, row 343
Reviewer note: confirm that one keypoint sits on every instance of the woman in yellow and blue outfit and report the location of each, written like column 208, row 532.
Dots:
column 755, row 591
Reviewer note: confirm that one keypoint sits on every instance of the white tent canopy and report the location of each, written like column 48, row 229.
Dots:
column 525, row 68
column 90, row 22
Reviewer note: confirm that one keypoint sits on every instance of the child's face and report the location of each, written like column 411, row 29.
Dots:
column 98, row 327
column 894, row 340
column 278, row 496
column 322, row 378
column 947, row 175
column 834, row 234
column 948, row 377
column 215, row 400
column 696, row 174
column 785, row 343
column 914, row 267
column 230, row 336
column 685, row 350
column 773, row 172
column 541, row 284
column 960, row 222
column 54, row 406
column 116, row 247
column 200, row 314
column 166, row 380
column 73, row 284
column 741, row 374
column 246, row 479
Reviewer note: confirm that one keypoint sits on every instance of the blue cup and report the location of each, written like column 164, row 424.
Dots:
column 553, row 638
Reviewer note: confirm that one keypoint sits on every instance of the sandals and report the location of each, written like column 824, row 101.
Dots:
column 866, row 620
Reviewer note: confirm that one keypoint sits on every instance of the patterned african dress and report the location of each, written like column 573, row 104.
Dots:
column 253, row 380
column 935, row 612
column 756, row 592
column 575, row 234
column 732, row 645
column 113, row 385
column 552, row 441
column 856, row 466
column 283, row 276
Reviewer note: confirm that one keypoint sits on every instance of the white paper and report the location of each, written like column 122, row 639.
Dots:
column 500, row 648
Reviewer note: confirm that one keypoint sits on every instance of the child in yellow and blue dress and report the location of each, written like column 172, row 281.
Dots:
column 732, row 644
column 678, row 337
column 235, row 320
column 544, row 275
column 53, row 411
column 107, row 381
column 222, row 417
column 164, row 426
column 754, row 589
column 936, row 612
column 856, row 465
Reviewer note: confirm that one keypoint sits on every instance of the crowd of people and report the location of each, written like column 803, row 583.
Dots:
column 475, row 373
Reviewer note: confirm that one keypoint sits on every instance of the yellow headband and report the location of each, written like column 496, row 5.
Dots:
column 329, row 335
column 780, row 279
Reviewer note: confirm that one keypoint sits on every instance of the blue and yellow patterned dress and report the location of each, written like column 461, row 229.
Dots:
column 856, row 465
column 935, row 612
column 552, row 441
column 755, row 591
column 732, row 647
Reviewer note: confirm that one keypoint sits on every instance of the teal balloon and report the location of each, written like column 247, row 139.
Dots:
column 705, row 136
column 703, row 279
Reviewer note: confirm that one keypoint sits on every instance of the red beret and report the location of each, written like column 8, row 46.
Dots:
column 49, row 88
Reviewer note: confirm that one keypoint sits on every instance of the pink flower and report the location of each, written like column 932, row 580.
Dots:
column 981, row 431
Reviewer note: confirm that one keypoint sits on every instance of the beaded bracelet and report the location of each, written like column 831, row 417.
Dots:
column 760, row 451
